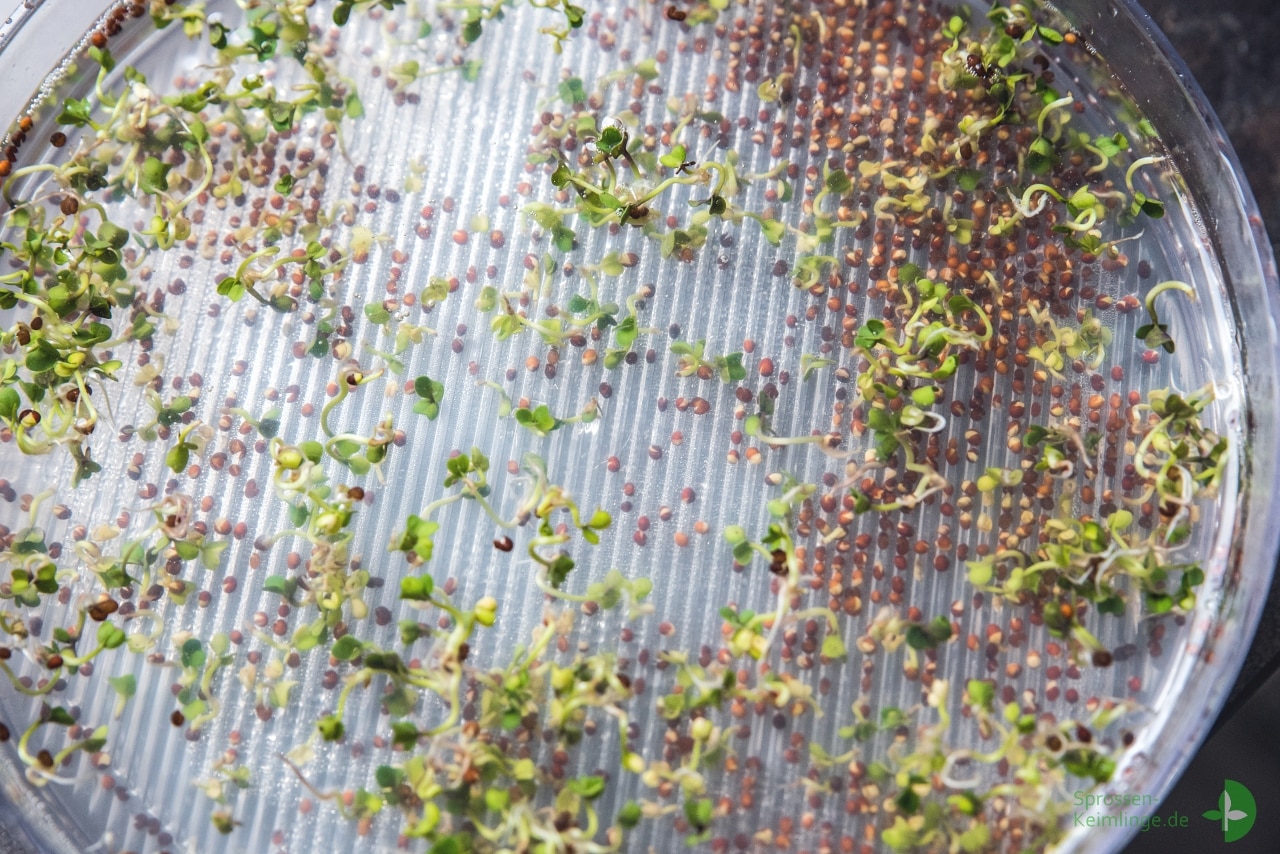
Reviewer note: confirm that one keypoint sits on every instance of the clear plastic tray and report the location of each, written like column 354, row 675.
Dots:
column 661, row 454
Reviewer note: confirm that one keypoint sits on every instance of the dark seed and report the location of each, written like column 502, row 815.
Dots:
column 779, row 565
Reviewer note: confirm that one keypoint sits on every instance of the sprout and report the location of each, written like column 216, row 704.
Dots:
column 1156, row 334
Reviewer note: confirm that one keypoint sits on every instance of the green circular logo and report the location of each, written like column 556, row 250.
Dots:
column 1236, row 811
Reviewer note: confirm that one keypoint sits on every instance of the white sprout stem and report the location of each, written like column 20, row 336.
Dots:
column 1135, row 166
column 1050, row 107
column 1023, row 205
column 939, row 423
column 947, row 777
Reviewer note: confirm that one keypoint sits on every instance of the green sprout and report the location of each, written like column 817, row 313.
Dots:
column 691, row 360
column 923, row 348
column 601, row 197
column 268, row 425
column 1087, row 342
column 1058, row 444
column 430, row 394
column 180, row 454
column 321, row 515
column 1156, row 334
column 810, row 364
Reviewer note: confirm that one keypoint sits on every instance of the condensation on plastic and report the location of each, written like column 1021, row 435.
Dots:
column 471, row 138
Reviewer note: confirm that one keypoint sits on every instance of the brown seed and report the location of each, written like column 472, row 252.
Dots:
column 99, row 611
column 504, row 544
column 177, row 718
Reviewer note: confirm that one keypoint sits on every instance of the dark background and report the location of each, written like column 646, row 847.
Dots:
column 1230, row 48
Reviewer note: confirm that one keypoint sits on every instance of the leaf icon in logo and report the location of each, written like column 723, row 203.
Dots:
column 1236, row 810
